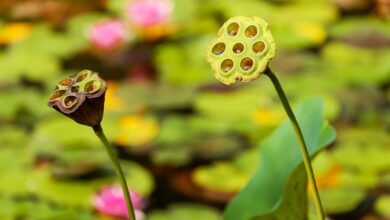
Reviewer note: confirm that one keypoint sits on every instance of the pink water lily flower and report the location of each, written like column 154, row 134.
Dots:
column 108, row 34
column 111, row 201
column 147, row 13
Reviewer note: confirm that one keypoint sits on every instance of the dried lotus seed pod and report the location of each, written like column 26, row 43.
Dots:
column 80, row 97
column 241, row 50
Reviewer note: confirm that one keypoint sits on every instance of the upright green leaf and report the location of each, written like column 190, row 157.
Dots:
column 278, row 188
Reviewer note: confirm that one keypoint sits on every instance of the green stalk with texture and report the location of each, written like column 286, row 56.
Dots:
column 112, row 154
column 301, row 140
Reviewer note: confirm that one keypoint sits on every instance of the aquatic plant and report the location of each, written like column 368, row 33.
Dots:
column 242, row 51
column 81, row 98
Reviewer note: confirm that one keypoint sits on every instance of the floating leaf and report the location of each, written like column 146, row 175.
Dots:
column 173, row 61
column 355, row 25
column 382, row 206
column 353, row 143
column 11, row 136
column 28, row 209
column 342, row 200
column 230, row 106
column 344, row 65
column 185, row 211
column 210, row 177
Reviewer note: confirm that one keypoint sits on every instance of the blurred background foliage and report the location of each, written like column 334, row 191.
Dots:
column 188, row 144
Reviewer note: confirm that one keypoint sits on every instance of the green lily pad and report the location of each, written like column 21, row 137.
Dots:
column 11, row 136
column 217, row 147
column 62, row 131
column 178, row 155
column 353, row 143
column 355, row 25
column 156, row 96
column 161, row 96
column 44, row 40
column 235, row 173
column 32, row 66
column 210, row 177
column 278, row 189
column 173, row 130
column 184, row 129
column 27, row 209
column 231, row 106
column 342, row 200
column 24, row 105
column 185, row 211
column 73, row 163
column 79, row 193
column 247, row 161
column 21, row 177
column 344, row 65
column 38, row 56
column 382, row 206
column 173, row 61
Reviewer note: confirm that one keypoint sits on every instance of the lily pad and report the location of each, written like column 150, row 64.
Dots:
column 229, row 106
column 23, row 105
column 11, row 209
column 278, row 189
column 353, row 143
column 346, row 63
column 21, row 177
column 11, row 136
column 173, row 62
column 382, row 206
column 62, row 131
column 355, row 25
column 342, row 200
column 185, row 211
column 210, row 177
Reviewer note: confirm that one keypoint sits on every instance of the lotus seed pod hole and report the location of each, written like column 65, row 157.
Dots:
column 246, row 63
column 251, row 31
column 57, row 94
column 92, row 86
column 233, row 29
column 227, row 65
column 66, row 82
column 258, row 47
column 75, row 89
column 238, row 48
column 82, row 75
column 219, row 48
column 70, row 101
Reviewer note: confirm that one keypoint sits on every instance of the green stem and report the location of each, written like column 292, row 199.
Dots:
column 303, row 147
column 110, row 151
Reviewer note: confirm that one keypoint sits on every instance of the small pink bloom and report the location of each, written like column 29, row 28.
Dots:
column 146, row 13
column 107, row 34
column 111, row 201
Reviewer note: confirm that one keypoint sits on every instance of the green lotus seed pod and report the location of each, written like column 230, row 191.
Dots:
column 242, row 50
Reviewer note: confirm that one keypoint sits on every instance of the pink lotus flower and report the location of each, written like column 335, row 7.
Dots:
column 108, row 34
column 147, row 13
column 111, row 201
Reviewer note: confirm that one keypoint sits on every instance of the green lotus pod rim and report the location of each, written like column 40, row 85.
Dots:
column 241, row 50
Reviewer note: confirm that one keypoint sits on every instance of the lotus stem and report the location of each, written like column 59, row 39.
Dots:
column 118, row 169
column 301, row 140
